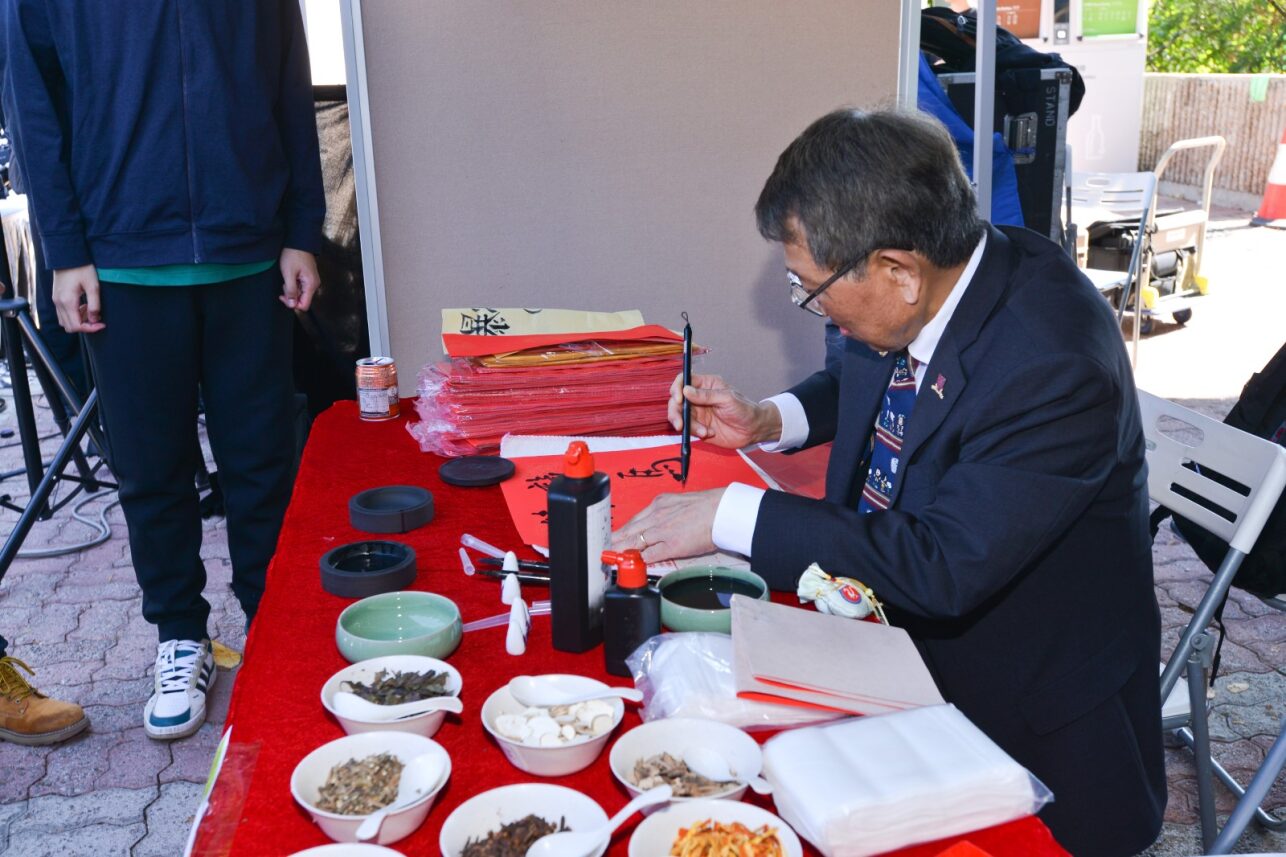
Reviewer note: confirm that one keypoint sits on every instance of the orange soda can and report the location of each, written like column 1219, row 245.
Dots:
column 377, row 388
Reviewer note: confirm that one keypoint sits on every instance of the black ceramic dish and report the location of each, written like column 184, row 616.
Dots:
column 391, row 509
column 476, row 471
column 367, row 568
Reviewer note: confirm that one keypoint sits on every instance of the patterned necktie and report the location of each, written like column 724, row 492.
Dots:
column 886, row 440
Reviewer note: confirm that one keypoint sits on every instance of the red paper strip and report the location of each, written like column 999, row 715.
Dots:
column 638, row 476
column 470, row 345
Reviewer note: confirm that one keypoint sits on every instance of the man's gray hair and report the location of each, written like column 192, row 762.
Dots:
column 859, row 181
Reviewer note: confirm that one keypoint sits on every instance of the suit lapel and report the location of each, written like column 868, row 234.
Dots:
column 945, row 378
column 865, row 378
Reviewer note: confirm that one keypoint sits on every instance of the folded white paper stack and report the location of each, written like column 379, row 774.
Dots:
column 875, row 784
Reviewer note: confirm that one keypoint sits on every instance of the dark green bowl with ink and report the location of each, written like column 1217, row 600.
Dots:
column 698, row 598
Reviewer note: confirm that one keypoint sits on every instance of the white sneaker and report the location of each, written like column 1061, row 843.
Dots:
column 184, row 675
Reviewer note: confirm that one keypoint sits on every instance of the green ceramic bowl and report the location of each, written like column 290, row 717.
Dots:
column 696, row 598
column 399, row 623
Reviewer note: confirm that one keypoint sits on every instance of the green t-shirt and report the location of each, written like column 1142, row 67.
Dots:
column 183, row 275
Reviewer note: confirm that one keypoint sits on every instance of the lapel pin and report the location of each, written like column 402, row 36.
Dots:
column 939, row 386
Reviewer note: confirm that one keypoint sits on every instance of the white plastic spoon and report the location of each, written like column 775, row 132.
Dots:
column 419, row 778
column 543, row 691
column 572, row 844
column 353, row 706
column 713, row 766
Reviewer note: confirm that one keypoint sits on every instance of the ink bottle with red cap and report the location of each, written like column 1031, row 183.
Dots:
column 580, row 529
column 631, row 610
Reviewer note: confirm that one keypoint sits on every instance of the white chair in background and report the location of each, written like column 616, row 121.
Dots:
column 1228, row 482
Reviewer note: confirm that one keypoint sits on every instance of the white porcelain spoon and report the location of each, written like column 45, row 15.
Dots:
column 713, row 766
column 420, row 776
column 353, row 706
column 543, row 691
column 572, row 844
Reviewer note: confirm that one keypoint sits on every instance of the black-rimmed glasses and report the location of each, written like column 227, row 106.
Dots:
column 803, row 298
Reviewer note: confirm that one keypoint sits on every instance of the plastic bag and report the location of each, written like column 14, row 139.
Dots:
column 867, row 785
column 690, row 675
column 465, row 408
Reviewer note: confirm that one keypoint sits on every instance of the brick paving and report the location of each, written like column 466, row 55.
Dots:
column 76, row 619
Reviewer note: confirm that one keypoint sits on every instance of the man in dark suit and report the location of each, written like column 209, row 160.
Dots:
column 987, row 477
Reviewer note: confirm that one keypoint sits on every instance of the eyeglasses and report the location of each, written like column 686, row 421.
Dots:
column 803, row 298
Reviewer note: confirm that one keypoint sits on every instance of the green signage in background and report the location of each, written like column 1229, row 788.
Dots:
column 1109, row 18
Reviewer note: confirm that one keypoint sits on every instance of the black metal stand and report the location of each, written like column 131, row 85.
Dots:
column 17, row 328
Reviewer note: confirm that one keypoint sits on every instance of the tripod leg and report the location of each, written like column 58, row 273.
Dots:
column 22, row 407
column 59, row 413
column 60, row 380
column 40, row 495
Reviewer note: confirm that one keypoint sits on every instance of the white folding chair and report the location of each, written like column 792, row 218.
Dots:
column 1110, row 197
column 1228, row 482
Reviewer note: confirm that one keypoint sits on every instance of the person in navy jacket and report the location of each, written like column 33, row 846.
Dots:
column 987, row 477
column 171, row 155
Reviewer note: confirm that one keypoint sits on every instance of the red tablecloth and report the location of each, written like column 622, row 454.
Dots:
column 276, row 714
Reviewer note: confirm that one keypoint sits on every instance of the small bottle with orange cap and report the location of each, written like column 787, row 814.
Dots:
column 631, row 610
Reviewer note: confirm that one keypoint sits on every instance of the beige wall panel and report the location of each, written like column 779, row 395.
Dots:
column 606, row 156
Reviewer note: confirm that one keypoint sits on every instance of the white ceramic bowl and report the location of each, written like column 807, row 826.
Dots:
column 548, row 761
column 311, row 772
column 479, row 816
column 348, row 849
column 425, row 724
column 675, row 734
column 656, row 833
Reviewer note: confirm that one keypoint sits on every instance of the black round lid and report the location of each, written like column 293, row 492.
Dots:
column 390, row 509
column 474, row 471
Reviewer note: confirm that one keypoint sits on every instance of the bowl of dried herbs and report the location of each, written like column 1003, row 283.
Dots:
column 342, row 782
column 392, row 680
column 509, row 819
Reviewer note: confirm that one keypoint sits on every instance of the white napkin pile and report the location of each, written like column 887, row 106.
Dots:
column 874, row 784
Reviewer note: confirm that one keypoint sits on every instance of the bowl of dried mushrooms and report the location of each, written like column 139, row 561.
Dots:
column 652, row 754
column 392, row 680
column 344, row 781
column 554, row 741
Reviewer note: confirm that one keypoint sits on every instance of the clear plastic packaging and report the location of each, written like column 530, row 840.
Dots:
column 868, row 785
column 465, row 407
column 690, row 675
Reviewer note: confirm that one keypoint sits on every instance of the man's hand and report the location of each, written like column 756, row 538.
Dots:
column 721, row 415
column 299, row 278
column 71, row 285
column 672, row 525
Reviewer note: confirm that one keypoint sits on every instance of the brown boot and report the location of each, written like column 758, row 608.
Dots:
column 29, row 717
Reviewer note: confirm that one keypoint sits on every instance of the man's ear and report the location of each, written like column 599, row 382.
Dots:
column 904, row 272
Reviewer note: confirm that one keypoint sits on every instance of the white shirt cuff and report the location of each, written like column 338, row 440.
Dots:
column 794, row 423
column 734, row 520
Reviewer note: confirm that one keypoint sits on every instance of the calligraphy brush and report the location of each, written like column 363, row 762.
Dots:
column 523, row 564
column 685, row 447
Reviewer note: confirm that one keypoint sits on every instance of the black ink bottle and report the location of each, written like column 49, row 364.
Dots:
column 631, row 610
column 580, row 529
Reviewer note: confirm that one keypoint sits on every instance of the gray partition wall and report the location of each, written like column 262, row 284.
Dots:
column 602, row 155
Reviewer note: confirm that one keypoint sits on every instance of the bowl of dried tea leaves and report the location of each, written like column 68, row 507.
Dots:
column 392, row 680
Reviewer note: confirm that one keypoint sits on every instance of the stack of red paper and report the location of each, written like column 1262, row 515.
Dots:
column 608, row 383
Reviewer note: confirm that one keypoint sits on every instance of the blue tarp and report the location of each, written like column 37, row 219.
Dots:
column 1005, row 206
